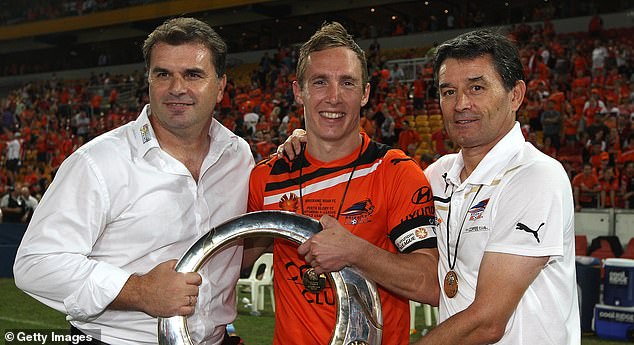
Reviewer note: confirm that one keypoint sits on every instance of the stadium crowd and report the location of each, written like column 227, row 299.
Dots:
column 579, row 108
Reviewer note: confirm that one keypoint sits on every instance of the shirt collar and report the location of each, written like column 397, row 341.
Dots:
column 146, row 138
column 493, row 162
column 144, row 133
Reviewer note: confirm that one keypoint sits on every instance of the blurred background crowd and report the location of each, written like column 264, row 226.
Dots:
column 579, row 105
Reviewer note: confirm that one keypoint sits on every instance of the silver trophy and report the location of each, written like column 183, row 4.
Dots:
column 359, row 319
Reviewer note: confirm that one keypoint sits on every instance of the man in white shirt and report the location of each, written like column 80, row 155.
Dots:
column 30, row 203
column 504, row 209
column 599, row 55
column 103, row 242
column 14, row 151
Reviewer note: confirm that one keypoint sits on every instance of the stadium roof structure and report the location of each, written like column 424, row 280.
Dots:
column 236, row 20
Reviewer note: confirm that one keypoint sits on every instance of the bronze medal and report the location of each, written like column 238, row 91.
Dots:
column 313, row 282
column 451, row 284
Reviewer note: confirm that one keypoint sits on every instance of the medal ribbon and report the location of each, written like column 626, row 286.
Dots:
column 455, row 255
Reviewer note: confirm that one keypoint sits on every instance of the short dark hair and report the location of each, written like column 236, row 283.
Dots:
column 330, row 35
column 479, row 43
column 184, row 30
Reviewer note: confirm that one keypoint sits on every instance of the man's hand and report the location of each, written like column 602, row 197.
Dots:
column 331, row 249
column 160, row 292
column 293, row 144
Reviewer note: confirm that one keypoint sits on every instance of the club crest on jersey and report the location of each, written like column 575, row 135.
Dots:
column 289, row 202
column 476, row 211
column 359, row 212
column 145, row 133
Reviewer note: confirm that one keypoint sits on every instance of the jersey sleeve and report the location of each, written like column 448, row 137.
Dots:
column 531, row 212
column 411, row 216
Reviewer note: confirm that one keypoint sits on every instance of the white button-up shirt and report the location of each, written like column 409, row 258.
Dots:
column 121, row 205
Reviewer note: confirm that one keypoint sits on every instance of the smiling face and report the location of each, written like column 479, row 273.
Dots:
column 477, row 110
column 332, row 95
column 183, row 87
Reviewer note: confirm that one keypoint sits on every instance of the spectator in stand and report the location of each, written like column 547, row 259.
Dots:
column 13, row 154
column 595, row 27
column 627, row 185
column 534, row 108
column 542, row 71
column 609, row 187
column 8, row 119
column 265, row 146
column 411, row 153
column 250, row 123
column 557, row 96
column 440, row 142
column 586, row 188
column 388, row 127
column 592, row 107
column 572, row 124
column 30, row 203
column 578, row 100
column 397, row 73
column 367, row 123
column 407, row 137
column 113, row 98
column 12, row 205
column 552, row 122
column 580, row 63
column 81, row 125
column 418, row 92
column 293, row 122
column 581, row 82
column 598, row 130
column 548, row 148
column 599, row 55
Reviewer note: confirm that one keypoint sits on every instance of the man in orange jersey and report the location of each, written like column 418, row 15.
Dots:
column 343, row 177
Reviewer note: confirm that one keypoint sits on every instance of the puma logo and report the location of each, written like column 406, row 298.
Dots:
column 521, row 226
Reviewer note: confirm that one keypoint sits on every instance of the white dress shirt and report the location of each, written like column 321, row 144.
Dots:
column 121, row 205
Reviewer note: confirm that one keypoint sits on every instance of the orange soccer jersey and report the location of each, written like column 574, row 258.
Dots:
column 388, row 202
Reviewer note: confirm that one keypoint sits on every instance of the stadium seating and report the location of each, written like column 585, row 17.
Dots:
column 581, row 245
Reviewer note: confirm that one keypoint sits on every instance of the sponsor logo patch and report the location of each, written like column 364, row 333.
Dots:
column 410, row 237
column 476, row 211
column 145, row 133
column 422, row 196
column 289, row 202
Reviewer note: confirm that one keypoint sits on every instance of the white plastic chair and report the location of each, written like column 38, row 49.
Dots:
column 257, row 285
column 428, row 310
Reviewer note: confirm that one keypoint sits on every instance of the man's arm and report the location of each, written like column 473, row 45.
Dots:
column 160, row 292
column 54, row 262
column 484, row 321
column 254, row 248
column 413, row 276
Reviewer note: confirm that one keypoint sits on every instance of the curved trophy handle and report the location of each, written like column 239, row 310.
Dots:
column 359, row 319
